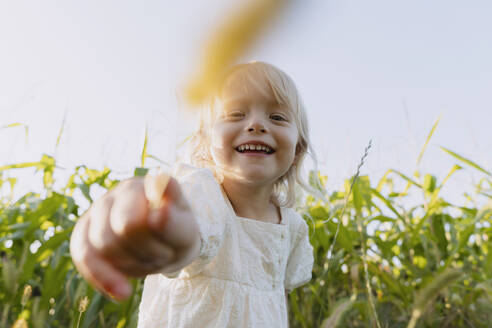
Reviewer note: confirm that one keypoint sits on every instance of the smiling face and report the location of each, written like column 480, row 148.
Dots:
column 253, row 138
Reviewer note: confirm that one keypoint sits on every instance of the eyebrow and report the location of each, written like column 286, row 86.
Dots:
column 235, row 101
column 246, row 101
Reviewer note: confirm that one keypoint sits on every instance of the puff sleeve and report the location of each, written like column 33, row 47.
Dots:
column 301, row 260
column 207, row 203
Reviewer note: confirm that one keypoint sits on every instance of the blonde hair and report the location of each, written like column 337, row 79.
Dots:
column 286, row 94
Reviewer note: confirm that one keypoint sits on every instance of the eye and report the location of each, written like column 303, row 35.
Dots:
column 277, row 117
column 234, row 114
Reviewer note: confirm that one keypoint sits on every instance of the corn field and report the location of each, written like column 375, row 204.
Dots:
column 378, row 261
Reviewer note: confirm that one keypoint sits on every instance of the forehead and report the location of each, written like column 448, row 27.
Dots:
column 247, row 86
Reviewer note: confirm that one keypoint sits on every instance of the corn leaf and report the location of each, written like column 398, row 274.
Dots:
column 466, row 161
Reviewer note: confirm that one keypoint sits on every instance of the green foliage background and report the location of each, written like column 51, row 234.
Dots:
column 391, row 265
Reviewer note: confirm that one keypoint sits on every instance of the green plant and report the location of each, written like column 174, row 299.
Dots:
column 34, row 244
column 425, row 265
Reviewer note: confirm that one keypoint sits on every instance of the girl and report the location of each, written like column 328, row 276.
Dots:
column 224, row 246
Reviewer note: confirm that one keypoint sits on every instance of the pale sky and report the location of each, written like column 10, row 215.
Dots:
column 382, row 69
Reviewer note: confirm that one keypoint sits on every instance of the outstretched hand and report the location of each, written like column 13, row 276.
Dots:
column 122, row 235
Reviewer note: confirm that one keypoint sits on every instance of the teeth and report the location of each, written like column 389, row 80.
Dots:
column 266, row 149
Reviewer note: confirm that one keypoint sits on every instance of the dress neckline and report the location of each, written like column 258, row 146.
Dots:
column 233, row 213
column 281, row 212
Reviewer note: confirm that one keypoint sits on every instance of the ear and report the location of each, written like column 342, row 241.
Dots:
column 298, row 148
column 298, row 153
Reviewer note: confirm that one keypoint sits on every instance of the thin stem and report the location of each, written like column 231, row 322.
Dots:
column 366, row 152
column 366, row 271
column 359, row 224
column 78, row 321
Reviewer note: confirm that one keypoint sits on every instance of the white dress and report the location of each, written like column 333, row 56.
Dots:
column 244, row 267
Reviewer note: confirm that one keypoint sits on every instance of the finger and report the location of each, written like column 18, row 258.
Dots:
column 100, row 234
column 98, row 272
column 141, row 255
column 154, row 186
column 174, row 194
column 128, row 222
column 129, row 212
column 103, row 238
column 135, row 268
column 173, row 223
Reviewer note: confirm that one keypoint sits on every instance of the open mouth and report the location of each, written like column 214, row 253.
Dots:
column 250, row 148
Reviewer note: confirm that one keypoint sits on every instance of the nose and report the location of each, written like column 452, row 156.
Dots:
column 256, row 127
column 256, row 124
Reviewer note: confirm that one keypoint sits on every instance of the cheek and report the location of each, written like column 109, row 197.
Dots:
column 291, row 140
column 220, row 142
column 217, row 137
column 215, row 142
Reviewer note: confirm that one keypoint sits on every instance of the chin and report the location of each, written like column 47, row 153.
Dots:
column 255, row 178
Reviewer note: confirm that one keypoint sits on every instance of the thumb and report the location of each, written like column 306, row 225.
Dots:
column 173, row 193
column 174, row 222
column 162, row 188
column 155, row 187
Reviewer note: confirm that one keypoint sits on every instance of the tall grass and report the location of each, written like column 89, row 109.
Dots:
column 384, row 263
column 428, row 265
